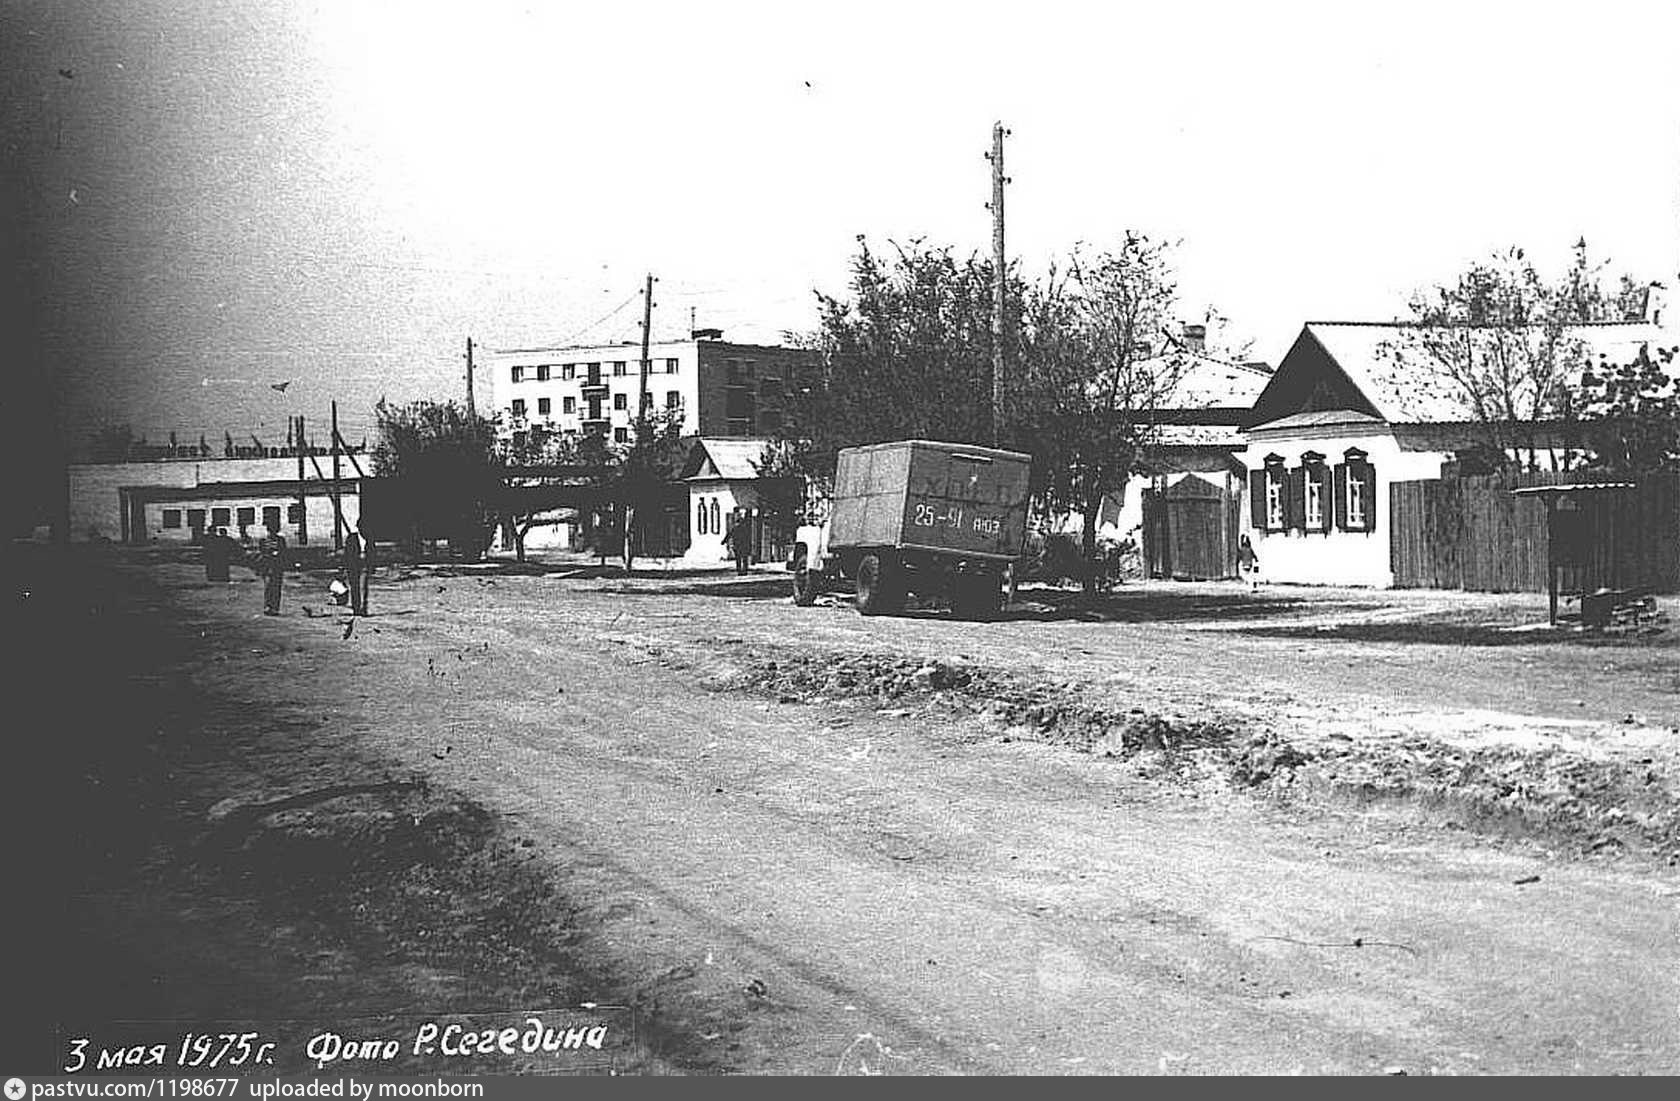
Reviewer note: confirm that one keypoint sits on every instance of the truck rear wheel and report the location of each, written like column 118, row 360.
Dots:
column 877, row 586
column 806, row 585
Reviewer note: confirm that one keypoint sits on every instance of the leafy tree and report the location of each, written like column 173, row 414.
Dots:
column 448, row 463
column 907, row 354
column 1093, row 379
column 1630, row 412
column 1499, row 344
column 643, row 473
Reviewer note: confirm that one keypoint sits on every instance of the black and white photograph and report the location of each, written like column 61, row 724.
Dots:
column 915, row 539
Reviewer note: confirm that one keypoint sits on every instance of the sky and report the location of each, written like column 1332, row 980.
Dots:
column 205, row 200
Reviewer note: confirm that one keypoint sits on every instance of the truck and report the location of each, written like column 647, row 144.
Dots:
column 918, row 517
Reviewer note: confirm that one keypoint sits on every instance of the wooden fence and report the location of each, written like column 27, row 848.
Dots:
column 1473, row 533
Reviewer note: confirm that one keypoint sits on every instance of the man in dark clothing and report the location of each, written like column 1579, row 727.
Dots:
column 218, row 553
column 739, row 539
column 358, row 567
column 271, row 562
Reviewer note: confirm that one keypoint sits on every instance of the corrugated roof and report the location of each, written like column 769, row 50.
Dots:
column 1392, row 365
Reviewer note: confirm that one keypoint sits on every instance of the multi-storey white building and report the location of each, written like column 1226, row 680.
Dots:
column 722, row 389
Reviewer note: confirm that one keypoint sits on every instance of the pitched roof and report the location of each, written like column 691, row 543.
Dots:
column 1384, row 368
column 731, row 458
column 1210, row 383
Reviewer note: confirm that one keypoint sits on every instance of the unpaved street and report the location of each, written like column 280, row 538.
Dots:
column 809, row 882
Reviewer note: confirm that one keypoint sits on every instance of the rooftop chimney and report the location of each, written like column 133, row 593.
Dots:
column 1195, row 337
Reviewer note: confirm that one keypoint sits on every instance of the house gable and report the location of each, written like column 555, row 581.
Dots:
column 1309, row 380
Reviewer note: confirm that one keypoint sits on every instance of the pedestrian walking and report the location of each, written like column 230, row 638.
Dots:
column 358, row 568
column 1248, row 562
column 739, row 539
column 271, row 562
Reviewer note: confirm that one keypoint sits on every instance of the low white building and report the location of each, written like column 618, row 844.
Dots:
column 172, row 500
column 1350, row 412
column 722, row 476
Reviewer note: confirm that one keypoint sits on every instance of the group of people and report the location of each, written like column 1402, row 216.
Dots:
column 220, row 551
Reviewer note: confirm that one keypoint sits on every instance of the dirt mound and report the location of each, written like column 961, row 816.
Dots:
column 1586, row 804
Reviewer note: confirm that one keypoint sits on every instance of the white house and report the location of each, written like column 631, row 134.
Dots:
column 721, row 477
column 1352, row 409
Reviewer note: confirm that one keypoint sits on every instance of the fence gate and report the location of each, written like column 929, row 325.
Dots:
column 1190, row 531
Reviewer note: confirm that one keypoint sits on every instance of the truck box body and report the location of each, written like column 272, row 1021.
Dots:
column 944, row 497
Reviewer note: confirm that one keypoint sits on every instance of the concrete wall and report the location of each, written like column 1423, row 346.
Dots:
column 318, row 517
column 1336, row 557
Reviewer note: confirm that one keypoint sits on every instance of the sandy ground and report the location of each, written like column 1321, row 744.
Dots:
column 511, row 793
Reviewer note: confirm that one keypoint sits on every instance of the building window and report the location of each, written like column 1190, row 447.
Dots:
column 518, row 407
column 769, row 421
column 670, row 366
column 247, row 515
column 1356, row 492
column 618, row 369
column 568, row 371
column 568, row 405
column 621, row 435
column 519, row 374
column 195, row 519
column 171, row 517
column 621, row 401
column 221, row 517
column 673, row 399
column 700, row 518
column 717, row 518
column 271, row 516
column 544, row 405
column 1316, row 492
column 1268, row 492
column 770, row 388
column 294, row 513
column 542, row 372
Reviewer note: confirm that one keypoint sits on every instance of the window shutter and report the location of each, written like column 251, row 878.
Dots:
column 1257, row 499
column 1338, row 481
column 1295, row 503
column 1368, row 475
column 1326, row 489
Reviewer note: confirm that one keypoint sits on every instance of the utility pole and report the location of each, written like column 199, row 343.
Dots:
column 1000, row 275
column 337, row 502
column 647, row 333
column 471, row 412
column 303, row 488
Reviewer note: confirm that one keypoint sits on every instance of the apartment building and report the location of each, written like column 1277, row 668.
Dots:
column 723, row 389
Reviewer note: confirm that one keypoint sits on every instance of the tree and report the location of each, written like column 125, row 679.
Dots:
column 1094, row 380
column 1498, row 345
column 906, row 355
column 1630, row 412
column 447, row 461
column 644, row 472
column 781, row 484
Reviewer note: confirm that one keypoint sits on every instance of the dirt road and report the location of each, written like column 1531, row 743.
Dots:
column 840, row 884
